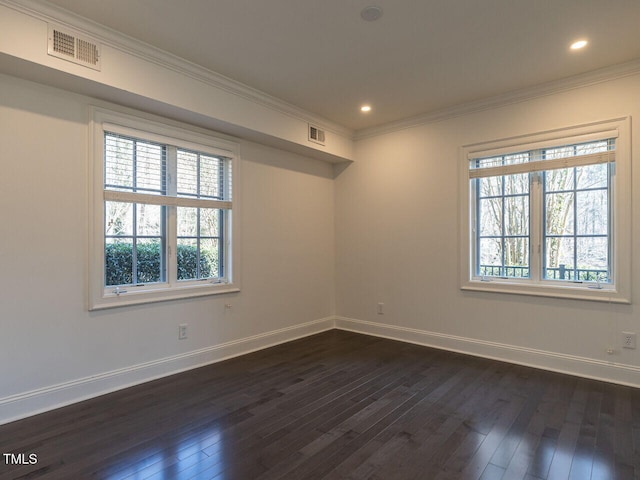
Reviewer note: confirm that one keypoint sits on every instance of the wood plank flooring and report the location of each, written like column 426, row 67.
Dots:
column 340, row 405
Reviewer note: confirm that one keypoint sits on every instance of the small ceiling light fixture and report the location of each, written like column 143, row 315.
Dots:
column 371, row 14
column 579, row 44
column 365, row 108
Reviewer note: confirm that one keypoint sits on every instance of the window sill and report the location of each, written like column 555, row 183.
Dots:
column 110, row 300
column 606, row 294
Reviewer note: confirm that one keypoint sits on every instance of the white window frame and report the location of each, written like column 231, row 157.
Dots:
column 176, row 135
column 619, row 290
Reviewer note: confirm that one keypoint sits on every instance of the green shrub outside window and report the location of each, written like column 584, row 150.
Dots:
column 119, row 263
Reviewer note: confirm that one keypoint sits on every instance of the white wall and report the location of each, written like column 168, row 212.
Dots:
column 52, row 350
column 385, row 230
column 397, row 243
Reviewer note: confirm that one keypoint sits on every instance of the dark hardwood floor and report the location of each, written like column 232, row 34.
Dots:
column 339, row 405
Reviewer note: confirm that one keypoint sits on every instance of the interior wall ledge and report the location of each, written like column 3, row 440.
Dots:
column 174, row 88
column 52, row 14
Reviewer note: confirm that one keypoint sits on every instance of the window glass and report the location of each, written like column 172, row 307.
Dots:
column 573, row 218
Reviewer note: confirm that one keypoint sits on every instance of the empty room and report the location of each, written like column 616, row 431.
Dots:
column 319, row 240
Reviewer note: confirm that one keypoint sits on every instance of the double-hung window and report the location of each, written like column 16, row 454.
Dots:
column 163, row 212
column 549, row 214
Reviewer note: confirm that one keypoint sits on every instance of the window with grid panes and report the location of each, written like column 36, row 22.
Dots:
column 167, row 210
column 543, row 217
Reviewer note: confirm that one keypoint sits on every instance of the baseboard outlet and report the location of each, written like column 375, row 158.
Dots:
column 41, row 400
column 568, row 364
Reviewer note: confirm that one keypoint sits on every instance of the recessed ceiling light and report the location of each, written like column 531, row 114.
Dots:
column 365, row 108
column 371, row 14
column 579, row 44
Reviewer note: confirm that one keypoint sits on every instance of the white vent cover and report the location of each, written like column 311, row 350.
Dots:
column 316, row 135
column 63, row 43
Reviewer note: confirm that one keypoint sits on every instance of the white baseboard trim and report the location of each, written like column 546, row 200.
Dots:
column 41, row 400
column 556, row 362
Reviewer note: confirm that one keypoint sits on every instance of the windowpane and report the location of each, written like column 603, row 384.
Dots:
column 592, row 212
column 149, row 219
column 118, row 254
column 561, row 152
column 522, row 157
column 187, row 177
column 200, row 175
column 592, row 176
column 573, row 216
column 209, row 258
column 503, row 224
column 593, row 147
column 516, row 184
column 490, row 217
column 187, row 219
column 593, row 254
column 133, row 235
column 559, row 180
column 210, row 222
column 559, row 257
column 512, row 159
column 490, row 253
column 149, row 167
column 187, row 258
column 490, row 187
column 118, row 218
column 487, row 162
column 516, row 253
column 210, row 177
column 149, row 260
column 118, row 153
column 133, row 165
column 559, row 214
column 516, row 215
column 198, row 243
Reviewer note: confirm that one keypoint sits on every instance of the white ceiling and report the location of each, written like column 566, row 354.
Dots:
column 421, row 56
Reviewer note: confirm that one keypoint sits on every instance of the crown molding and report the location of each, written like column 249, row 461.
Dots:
column 594, row 77
column 52, row 14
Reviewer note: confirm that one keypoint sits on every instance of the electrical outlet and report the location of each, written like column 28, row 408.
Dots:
column 629, row 339
column 381, row 309
column 182, row 331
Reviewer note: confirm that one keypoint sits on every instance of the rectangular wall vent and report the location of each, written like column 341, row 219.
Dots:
column 67, row 45
column 316, row 135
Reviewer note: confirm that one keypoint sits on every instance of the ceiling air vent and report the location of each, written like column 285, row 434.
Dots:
column 316, row 135
column 69, row 46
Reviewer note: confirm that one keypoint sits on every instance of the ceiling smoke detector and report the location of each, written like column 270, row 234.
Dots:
column 371, row 14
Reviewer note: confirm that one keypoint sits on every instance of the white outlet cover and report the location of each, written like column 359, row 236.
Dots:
column 182, row 331
column 628, row 340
